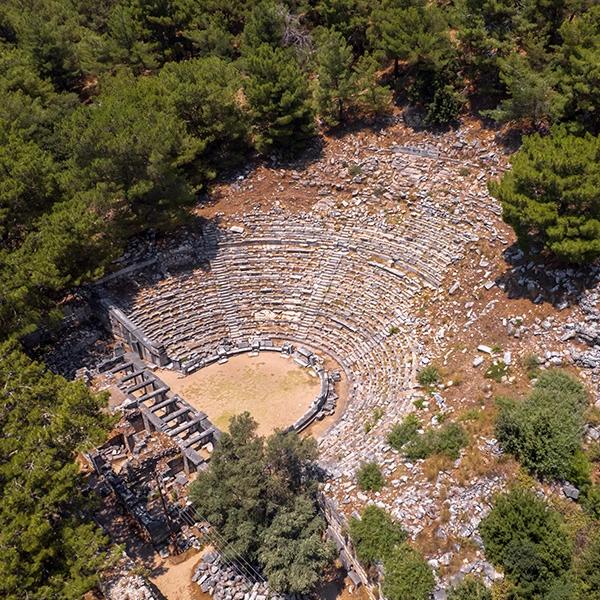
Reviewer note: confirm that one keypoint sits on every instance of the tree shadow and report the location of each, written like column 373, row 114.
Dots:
column 508, row 136
column 73, row 346
column 414, row 117
column 541, row 279
column 300, row 160
column 372, row 125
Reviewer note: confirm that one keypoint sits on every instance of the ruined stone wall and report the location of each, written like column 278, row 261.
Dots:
column 134, row 339
column 337, row 529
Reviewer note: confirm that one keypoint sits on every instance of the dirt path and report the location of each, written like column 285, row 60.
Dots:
column 174, row 579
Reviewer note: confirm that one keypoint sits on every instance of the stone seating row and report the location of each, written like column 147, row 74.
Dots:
column 347, row 286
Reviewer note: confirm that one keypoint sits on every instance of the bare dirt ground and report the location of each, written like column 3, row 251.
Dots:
column 275, row 390
column 175, row 577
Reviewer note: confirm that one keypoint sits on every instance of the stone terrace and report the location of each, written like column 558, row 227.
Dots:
column 344, row 278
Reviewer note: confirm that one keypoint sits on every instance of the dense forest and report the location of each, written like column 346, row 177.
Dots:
column 115, row 115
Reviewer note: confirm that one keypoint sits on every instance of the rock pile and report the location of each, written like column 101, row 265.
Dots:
column 225, row 581
column 129, row 587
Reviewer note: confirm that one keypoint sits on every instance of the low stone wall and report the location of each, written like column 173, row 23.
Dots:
column 323, row 403
column 337, row 530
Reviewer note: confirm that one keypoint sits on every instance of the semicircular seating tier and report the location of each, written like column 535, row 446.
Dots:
column 344, row 285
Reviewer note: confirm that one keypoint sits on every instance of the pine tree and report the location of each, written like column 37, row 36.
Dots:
column 334, row 85
column 48, row 549
column 28, row 187
column 531, row 94
column 265, row 25
column 552, row 194
column 579, row 68
column 48, row 32
column 279, row 106
column 418, row 35
column 132, row 148
column 370, row 97
column 349, row 17
column 209, row 37
column 413, row 32
column 486, row 30
column 30, row 107
column 127, row 41
column 204, row 94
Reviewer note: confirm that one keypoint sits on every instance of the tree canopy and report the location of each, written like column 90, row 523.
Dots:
column 49, row 550
column 260, row 496
column 378, row 539
column 132, row 108
column 528, row 539
column 407, row 575
column 470, row 588
column 278, row 98
column 117, row 114
column 545, row 430
column 375, row 535
column 551, row 196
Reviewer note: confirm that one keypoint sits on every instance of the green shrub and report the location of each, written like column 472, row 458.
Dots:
column 447, row 440
column 441, row 417
column 496, row 371
column 370, row 477
column 407, row 576
column 591, row 501
column 419, row 404
column 472, row 414
column 375, row 416
column 420, row 447
column 568, row 388
column 470, row 588
column 544, row 431
column 592, row 416
column 404, row 432
column 580, row 474
column 532, row 366
column 428, row 376
column 378, row 412
column 587, row 570
column 528, row 540
column 354, row 170
column 593, row 451
column 375, row 535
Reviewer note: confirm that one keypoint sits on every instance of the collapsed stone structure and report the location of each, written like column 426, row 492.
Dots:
column 161, row 411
